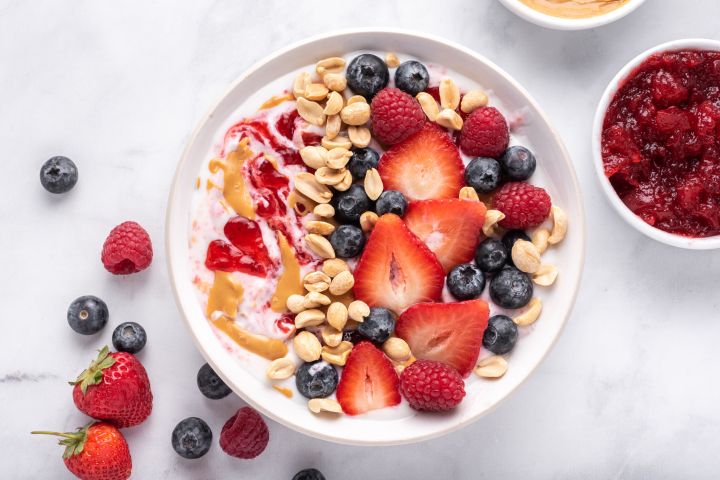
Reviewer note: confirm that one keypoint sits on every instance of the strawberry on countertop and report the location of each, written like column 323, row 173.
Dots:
column 95, row 452
column 115, row 388
column 451, row 228
column 451, row 333
column 424, row 166
column 368, row 381
column 396, row 269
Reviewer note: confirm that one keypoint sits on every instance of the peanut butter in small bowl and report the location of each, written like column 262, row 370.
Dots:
column 575, row 8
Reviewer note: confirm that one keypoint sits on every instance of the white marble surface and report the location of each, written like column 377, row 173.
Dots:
column 630, row 391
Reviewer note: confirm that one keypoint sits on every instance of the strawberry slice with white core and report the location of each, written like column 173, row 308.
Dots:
column 396, row 269
column 426, row 165
column 451, row 228
column 368, row 381
column 451, row 333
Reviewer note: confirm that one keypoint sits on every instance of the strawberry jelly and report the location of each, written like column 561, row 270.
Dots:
column 661, row 142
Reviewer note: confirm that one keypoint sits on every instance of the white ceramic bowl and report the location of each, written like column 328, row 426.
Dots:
column 558, row 23
column 627, row 214
column 555, row 172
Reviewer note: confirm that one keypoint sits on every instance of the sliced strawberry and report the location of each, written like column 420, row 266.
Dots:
column 445, row 332
column 368, row 381
column 396, row 269
column 426, row 165
column 451, row 228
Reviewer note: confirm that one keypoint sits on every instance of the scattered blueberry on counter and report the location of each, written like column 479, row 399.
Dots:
column 511, row 288
column 350, row 204
column 483, row 174
column 316, row 379
column 309, row 474
column 87, row 315
column 491, row 255
column 362, row 160
column 192, row 438
column 391, row 201
column 58, row 175
column 466, row 281
column 210, row 384
column 367, row 74
column 378, row 326
column 517, row 164
column 129, row 337
column 500, row 335
column 348, row 241
column 412, row 77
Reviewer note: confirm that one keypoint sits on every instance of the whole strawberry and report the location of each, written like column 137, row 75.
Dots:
column 524, row 205
column 484, row 133
column 127, row 249
column 245, row 434
column 432, row 386
column 395, row 116
column 96, row 452
column 114, row 388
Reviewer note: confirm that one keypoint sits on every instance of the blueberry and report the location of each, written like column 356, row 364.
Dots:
column 367, row 74
column 347, row 241
column 87, row 315
column 412, row 77
column 129, row 337
column 350, row 204
column 511, row 288
column 316, row 379
column 517, row 163
column 378, row 326
column 362, row 160
column 192, row 438
column 466, row 281
column 491, row 255
column 309, row 474
column 352, row 336
column 391, row 201
column 58, row 175
column 210, row 384
column 483, row 174
column 500, row 335
column 512, row 236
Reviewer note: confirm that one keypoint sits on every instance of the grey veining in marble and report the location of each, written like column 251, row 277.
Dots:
column 631, row 390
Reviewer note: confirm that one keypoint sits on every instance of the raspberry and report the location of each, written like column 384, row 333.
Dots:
column 245, row 434
column 524, row 205
column 485, row 133
column 127, row 249
column 395, row 116
column 432, row 386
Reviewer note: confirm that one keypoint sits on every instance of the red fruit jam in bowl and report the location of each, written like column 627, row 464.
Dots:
column 660, row 141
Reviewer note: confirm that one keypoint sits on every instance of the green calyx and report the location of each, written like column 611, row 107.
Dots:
column 74, row 442
column 94, row 373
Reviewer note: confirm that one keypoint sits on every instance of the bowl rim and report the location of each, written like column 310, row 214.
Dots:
column 558, row 23
column 184, row 159
column 706, row 243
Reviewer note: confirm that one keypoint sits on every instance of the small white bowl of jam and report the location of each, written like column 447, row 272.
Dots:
column 571, row 14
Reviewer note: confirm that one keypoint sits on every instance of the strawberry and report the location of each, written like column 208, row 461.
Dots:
column 396, row 269
column 368, row 381
column 451, row 333
column 451, row 228
column 426, row 165
column 97, row 451
column 114, row 388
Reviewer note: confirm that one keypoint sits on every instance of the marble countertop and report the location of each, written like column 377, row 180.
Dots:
column 630, row 391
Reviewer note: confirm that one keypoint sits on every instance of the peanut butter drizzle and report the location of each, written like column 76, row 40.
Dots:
column 574, row 8
column 289, row 282
column 276, row 100
column 285, row 391
column 235, row 190
column 225, row 296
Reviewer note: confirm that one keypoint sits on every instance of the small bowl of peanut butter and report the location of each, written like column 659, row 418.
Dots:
column 571, row 14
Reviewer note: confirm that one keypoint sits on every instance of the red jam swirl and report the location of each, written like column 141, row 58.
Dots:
column 661, row 142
